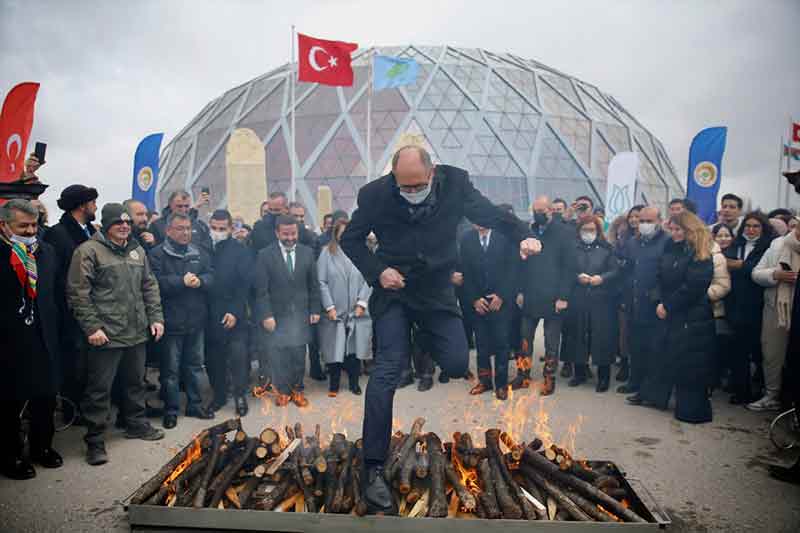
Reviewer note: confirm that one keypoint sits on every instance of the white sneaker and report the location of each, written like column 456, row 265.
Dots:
column 767, row 403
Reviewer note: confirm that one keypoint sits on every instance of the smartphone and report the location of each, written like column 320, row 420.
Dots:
column 785, row 266
column 41, row 148
column 205, row 190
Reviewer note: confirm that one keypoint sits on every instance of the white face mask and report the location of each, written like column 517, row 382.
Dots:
column 416, row 198
column 749, row 238
column 218, row 236
column 647, row 229
column 588, row 237
column 21, row 239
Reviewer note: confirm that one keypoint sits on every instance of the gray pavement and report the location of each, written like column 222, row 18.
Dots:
column 710, row 477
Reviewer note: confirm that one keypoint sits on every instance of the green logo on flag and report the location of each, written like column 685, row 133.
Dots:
column 398, row 69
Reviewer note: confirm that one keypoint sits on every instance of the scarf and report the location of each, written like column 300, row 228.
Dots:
column 23, row 263
column 789, row 254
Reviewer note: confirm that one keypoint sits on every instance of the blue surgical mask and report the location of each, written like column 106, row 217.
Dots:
column 21, row 239
column 416, row 198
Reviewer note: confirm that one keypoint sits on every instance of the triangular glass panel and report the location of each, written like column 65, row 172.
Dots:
column 277, row 163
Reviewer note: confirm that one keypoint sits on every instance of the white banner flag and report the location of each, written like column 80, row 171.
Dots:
column 622, row 173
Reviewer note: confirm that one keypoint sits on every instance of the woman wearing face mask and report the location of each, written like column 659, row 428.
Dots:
column 744, row 304
column 590, row 323
column 685, row 271
column 345, row 329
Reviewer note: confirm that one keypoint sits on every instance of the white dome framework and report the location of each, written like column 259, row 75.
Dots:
column 519, row 127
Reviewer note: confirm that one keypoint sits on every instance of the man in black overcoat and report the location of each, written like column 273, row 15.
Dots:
column 414, row 212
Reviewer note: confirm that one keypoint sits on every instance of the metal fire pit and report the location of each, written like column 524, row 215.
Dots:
column 152, row 518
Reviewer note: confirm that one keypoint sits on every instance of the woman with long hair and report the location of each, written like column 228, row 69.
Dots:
column 723, row 238
column 590, row 324
column 685, row 272
column 345, row 329
column 745, row 303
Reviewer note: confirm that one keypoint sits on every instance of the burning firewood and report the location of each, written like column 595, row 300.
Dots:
column 466, row 498
column 487, row 497
column 200, row 496
column 493, row 446
column 404, row 449
column 230, row 471
column 437, row 507
column 561, row 499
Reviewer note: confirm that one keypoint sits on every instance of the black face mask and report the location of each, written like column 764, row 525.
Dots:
column 540, row 219
column 558, row 216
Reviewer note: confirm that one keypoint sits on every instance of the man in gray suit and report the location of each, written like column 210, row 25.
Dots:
column 287, row 303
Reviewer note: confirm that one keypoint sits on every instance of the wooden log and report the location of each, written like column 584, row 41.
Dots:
column 487, row 497
column 200, row 496
column 466, row 498
column 152, row 485
column 406, row 448
column 284, row 455
column 589, row 508
column 289, row 433
column 359, row 505
column 249, row 487
column 282, row 491
column 332, row 457
column 606, row 482
column 232, row 424
column 407, row 469
column 617, row 494
column 296, row 468
column 262, row 452
column 276, row 448
column 437, row 507
column 514, row 449
column 423, row 464
column 394, row 453
column 180, row 483
column 552, row 509
column 240, row 437
column 493, row 446
column 290, row 502
column 337, row 504
column 422, row 506
column 508, row 506
column 418, row 488
column 535, row 460
column 269, row 437
column 564, row 503
column 232, row 469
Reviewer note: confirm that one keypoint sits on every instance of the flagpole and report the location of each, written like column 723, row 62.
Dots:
column 292, row 154
column 369, row 117
column 780, row 175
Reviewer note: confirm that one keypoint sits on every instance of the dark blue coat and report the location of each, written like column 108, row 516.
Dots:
column 488, row 272
column 233, row 276
column 640, row 265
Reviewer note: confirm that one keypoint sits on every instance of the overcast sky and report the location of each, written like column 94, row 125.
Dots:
column 114, row 71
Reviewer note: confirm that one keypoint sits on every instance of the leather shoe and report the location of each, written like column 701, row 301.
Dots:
column 602, row 385
column 566, row 370
column 18, row 468
column 782, row 473
column 170, row 421
column 424, row 384
column 199, row 412
column 479, row 388
column 443, row 377
column 636, row 399
column 377, row 494
column 241, row 406
column 627, row 389
column 299, row 399
column 48, row 458
column 96, row 454
column 501, row 393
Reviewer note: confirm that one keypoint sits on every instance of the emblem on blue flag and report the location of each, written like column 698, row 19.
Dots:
column 388, row 72
column 705, row 171
column 145, row 170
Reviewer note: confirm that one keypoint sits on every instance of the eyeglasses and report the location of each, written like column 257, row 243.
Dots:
column 126, row 222
column 413, row 188
column 752, row 226
column 182, row 229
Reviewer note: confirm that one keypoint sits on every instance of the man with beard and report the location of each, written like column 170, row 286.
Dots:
column 414, row 211
column 180, row 203
column 287, row 304
column 74, row 228
column 140, row 222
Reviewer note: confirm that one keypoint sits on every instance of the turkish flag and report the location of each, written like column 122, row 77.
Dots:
column 325, row 62
column 16, row 121
column 795, row 132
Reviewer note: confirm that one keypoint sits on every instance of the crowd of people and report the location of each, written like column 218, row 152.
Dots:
column 678, row 307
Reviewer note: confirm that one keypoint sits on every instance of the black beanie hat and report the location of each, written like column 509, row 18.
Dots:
column 75, row 195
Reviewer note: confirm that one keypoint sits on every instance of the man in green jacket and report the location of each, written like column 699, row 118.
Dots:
column 115, row 299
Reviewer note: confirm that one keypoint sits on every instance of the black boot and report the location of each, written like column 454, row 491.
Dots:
column 624, row 371
column 579, row 377
column 377, row 493
column 334, row 376
column 353, row 368
column 603, row 378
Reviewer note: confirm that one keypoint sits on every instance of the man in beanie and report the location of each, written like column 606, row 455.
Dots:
column 114, row 296
column 74, row 228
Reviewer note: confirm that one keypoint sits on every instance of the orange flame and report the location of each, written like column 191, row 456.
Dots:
column 194, row 453
column 609, row 513
column 469, row 476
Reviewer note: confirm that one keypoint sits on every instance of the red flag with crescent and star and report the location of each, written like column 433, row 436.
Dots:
column 16, row 121
column 325, row 62
column 795, row 132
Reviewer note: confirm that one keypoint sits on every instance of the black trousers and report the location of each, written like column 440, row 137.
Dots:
column 746, row 347
column 491, row 338
column 224, row 353
column 449, row 347
column 73, row 366
column 42, row 427
column 642, row 342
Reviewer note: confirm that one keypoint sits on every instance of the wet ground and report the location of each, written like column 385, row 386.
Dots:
column 710, row 477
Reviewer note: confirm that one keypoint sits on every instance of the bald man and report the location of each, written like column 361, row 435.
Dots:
column 640, row 268
column 414, row 212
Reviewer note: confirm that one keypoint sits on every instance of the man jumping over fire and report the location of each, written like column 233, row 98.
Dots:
column 414, row 212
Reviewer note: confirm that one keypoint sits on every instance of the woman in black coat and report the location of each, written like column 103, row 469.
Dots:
column 685, row 272
column 590, row 322
column 744, row 304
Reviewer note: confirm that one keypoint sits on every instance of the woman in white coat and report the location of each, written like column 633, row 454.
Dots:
column 345, row 328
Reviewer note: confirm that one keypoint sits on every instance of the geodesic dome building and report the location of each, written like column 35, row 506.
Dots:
column 519, row 127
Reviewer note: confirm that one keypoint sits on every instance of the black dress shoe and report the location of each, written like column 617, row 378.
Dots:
column 602, row 385
column 355, row 388
column 566, row 370
column 424, row 384
column 216, row 405
column 627, row 389
column 636, row 399
column 170, row 421
column 378, row 494
column 48, row 458
column 17, row 468
column 241, row 406
column 199, row 412
column 443, row 377
column 576, row 380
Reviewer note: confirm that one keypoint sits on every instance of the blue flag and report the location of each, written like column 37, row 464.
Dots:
column 145, row 170
column 390, row 72
column 705, row 171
